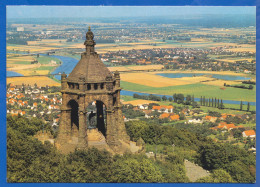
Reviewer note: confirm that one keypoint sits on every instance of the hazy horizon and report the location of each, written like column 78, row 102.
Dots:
column 14, row 12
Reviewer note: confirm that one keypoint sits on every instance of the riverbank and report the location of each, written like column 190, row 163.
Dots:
column 232, row 73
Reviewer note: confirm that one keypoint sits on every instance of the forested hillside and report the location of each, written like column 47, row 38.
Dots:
column 28, row 160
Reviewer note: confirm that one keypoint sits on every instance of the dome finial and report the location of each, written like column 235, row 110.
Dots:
column 89, row 42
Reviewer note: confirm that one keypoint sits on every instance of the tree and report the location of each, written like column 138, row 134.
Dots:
column 180, row 98
column 201, row 100
column 212, row 102
column 8, row 85
column 248, row 106
column 135, row 95
column 217, row 176
column 221, row 105
column 150, row 105
column 175, row 97
column 215, row 102
column 128, row 169
column 250, row 87
column 239, row 172
column 237, row 133
column 241, row 105
column 170, row 99
column 213, row 156
column 164, row 98
column 188, row 98
column 182, row 116
column 195, row 105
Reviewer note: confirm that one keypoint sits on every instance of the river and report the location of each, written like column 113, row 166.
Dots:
column 68, row 64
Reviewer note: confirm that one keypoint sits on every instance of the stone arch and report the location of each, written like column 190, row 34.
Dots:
column 74, row 116
column 96, row 116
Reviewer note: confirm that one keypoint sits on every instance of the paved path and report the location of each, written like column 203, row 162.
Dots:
column 194, row 172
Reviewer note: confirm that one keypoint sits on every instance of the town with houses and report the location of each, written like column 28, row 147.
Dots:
column 33, row 101
column 183, row 59
column 44, row 103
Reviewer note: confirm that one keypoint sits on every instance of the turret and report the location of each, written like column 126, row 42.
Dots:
column 63, row 81
column 117, row 77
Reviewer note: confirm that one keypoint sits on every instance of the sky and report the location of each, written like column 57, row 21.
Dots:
column 121, row 11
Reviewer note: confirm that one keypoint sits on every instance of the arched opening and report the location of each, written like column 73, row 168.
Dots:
column 74, row 117
column 114, row 100
column 95, row 86
column 96, row 116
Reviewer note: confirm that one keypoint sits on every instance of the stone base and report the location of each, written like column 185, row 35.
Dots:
column 67, row 147
column 96, row 139
column 44, row 136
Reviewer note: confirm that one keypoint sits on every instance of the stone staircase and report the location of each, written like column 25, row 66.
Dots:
column 194, row 172
column 96, row 139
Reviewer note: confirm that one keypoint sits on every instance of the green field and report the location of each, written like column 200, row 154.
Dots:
column 127, row 98
column 251, row 125
column 47, row 60
column 197, row 90
column 76, row 56
column 23, row 62
column 49, row 68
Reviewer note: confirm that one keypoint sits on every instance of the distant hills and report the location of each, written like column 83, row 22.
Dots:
column 208, row 21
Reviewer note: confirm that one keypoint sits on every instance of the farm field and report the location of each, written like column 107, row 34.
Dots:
column 197, row 89
column 57, row 44
column 205, row 72
column 23, row 65
column 40, row 81
column 149, row 79
column 138, row 102
column 149, row 82
column 229, row 58
column 136, row 68
column 247, row 48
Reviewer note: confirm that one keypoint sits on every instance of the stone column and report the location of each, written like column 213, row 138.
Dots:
column 111, row 132
column 64, row 124
column 82, row 143
column 65, row 119
column 121, row 125
column 82, row 136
